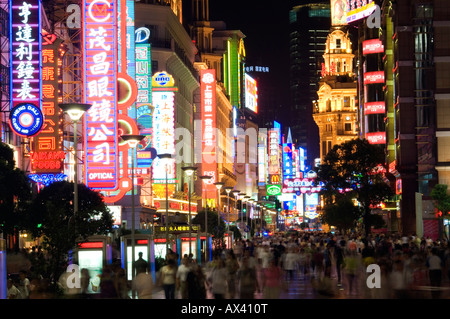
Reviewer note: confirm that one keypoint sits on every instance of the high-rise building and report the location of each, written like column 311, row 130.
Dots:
column 309, row 28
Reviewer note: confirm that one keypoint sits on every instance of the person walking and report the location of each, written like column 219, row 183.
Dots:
column 181, row 277
column 248, row 283
column 168, row 278
column 218, row 279
column 272, row 281
column 143, row 285
column 434, row 264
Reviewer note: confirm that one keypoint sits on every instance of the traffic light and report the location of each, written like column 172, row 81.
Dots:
column 244, row 209
column 278, row 205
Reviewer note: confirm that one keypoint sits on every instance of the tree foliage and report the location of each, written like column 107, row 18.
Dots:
column 354, row 170
column 441, row 199
column 15, row 192
column 218, row 230
column 52, row 217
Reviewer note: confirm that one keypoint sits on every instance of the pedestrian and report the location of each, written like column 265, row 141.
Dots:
column 196, row 283
column 218, row 279
column 272, row 281
column 120, row 281
column 232, row 266
column 107, row 285
column 140, row 265
column 181, row 277
column 339, row 257
column 24, row 285
column 290, row 263
column 435, row 264
column 85, row 279
column 351, row 268
column 143, row 285
column 248, row 282
column 12, row 291
column 168, row 278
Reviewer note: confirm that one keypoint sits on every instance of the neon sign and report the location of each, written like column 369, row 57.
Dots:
column 374, row 77
column 100, row 69
column 374, row 107
column 25, row 46
column 359, row 9
column 26, row 119
column 372, row 46
column 274, row 162
column 208, row 118
column 251, row 94
column 376, row 137
column 163, row 138
column 302, row 185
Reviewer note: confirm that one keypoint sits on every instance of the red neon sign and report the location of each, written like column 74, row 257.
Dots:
column 374, row 77
column 376, row 137
column 90, row 245
column 100, row 69
column 374, row 108
column 372, row 46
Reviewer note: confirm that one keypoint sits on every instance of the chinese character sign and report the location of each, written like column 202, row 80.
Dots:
column 48, row 154
column 100, row 69
column 208, row 118
column 25, row 46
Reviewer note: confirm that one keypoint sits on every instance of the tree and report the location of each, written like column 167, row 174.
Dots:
column 215, row 229
column 355, row 170
column 52, row 216
column 441, row 203
column 342, row 214
column 15, row 193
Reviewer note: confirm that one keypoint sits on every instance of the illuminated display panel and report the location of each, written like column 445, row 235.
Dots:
column 302, row 185
column 339, row 10
column 274, row 162
column 100, row 69
column 374, row 107
column 47, row 154
column 372, row 46
column 287, row 160
column 163, row 139
column 359, row 9
column 208, row 118
column 25, row 57
column 374, row 77
column 261, row 165
column 251, row 94
column 376, row 137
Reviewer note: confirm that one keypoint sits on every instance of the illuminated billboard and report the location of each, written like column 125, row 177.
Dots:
column 374, row 107
column 359, row 9
column 208, row 118
column 376, row 137
column 339, row 10
column 47, row 154
column 374, row 77
column 100, row 71
column 274, row 161
column 372, row 46
column 251, row 94
column 25, row 56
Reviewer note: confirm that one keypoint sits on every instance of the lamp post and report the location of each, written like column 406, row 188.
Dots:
column 132, row 141
column 75, row 112
column 219, row 187
column 165, row 158
column 205, row 179
column 251, row 200
column 189, row 170
column 228, row 190
column 242, row 197
column 236, row 198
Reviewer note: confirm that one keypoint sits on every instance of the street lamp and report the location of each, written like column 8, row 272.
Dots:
column 205, row 179
column 236, row 198
column 228, row 190
column 75, row 112
column 242, row 197
column 165, row 158
column 189, row 170
column 132, row 141
column 219, row 187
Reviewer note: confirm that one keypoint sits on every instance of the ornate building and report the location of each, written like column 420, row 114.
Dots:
column 335, row 111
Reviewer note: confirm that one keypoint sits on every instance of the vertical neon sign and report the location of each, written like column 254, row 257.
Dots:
column 25, row 57
column 100, row 69
column 208, row 118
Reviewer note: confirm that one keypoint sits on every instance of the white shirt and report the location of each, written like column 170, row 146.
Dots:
column 182, row 272
column 143, row 284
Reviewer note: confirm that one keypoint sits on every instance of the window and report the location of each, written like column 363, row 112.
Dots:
column 348, row 127
column 338, row 43
column 346, row 101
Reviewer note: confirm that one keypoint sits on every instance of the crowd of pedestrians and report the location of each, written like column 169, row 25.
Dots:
column 333, row 265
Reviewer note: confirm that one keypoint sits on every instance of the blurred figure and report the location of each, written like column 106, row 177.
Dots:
column 351, row 267
column 290, row 263
column 85, row 279
column 140, row 265
column 339, row 257
column 143, row 285
column 120, row 282
column 196, row 282
column 107, row 286
column 12, row 291
column 181, row 277
column 232, row 266
column 168, row 278
column 248, row 282
column 218, row 279
column 434, row 264
column 24, row 285
column 272, row 281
